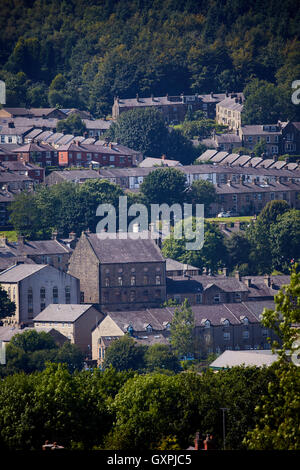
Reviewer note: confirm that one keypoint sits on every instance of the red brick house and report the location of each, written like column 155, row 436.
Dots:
column 36, row 153
column 77, row 154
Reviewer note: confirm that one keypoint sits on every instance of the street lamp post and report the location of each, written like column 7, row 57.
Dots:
column 224, row 439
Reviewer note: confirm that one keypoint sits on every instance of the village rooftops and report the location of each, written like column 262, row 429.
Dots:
column 160, row 318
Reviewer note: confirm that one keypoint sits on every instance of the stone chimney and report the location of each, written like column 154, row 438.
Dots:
column 225, row 272
column 72, row 235
column 21, row 239
column 152, row 97
column 212, row 94
column 237, row 225
column 248, row 282
column 267, row 280
column 54, row 235
column 137, row 97
column 3, row 241
column 237, row 275
column 222, row 226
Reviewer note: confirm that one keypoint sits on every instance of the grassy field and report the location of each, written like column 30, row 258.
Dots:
column 10, row 235
column 228, row 220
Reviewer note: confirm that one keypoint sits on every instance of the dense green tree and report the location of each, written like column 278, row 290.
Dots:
column 72, row 125
column 141, row 129
column 202, row 192
column 159, row 356
column 238, row 251
column 124, row 354
column 164, row 186
column 7, row 307
column 278, row 412
column 182, row 327
column 284, row 240
column 211, row 256
column 258, row 234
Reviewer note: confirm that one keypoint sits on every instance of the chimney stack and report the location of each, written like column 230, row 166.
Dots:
column 237, row 225
column 225, row 272
column 267, row 280
column 21, row 239
column 3, row 241
column 54, row 235
column 248, row 282
column 237, row 275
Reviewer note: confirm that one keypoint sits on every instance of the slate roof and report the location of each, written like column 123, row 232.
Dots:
column 173, row 265
column 97, row 124
column 19, row 272
column 258, row 358
column 207, row 155
column 63, row 313
column 124, row 250
column 204, row 282
column 150, row 162
column 76, row 175
column 259, row 130
column 37, row 247
column 216, row 314
column 230, row 103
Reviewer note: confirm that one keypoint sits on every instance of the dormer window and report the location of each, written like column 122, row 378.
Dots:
column 149, row 328
column 246, row 321
column 226, row 323
column 207, row 324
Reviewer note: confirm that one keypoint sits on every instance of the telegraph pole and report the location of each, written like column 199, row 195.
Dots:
column 224, row 438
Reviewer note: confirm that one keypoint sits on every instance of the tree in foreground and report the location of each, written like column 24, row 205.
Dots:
column 182, row 328
column 160, row 356
column 278, row 427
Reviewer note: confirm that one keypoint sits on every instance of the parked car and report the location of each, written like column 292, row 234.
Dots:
column 223, row 214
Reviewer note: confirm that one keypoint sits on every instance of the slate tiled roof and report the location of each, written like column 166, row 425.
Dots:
column 37, row 247
column 204, row 282
column 216, row 314
column 125, row 251
column 247, row 358
column 62, row 313
column 19, row 272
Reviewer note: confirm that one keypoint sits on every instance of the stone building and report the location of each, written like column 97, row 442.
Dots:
column 74, row 321
column 228, row 326
column 119, row 274
column 34, row 286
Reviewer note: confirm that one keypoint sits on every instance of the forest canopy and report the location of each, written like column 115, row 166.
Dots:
column 82, row 53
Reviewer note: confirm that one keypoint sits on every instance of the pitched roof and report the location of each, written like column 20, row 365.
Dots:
column 63, row 313
column 36, row 247
column 121, row 250
column 20, row 271
column 258, row 358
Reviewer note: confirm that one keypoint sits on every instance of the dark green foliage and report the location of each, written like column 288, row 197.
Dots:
column 164, row 186
column 30, row 351
column 72, row 125
column 104, row 49
column 141, row 129
column 7, row 307
column 124, row 354
column 64, row 207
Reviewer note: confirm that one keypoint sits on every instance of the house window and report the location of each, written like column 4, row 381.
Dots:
column 120, row 281
column 226, row 336
column 198, row 298
column 207, row 324
column 30, row 302
column 68, row 294
column 226, row 323
column 106, row 297
column 132, row 280
column 55, row 295
column 217, row 299
column 146, row 280
column 245, row 334
column 149, row 328
column 157, row 293
column 111, row 158
column 238, row 296
column 158, row 279
column 81, row 297
column 132, row 296
column 268, row 139
column 42, row 298
column 107, row 282
column 146, row 294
